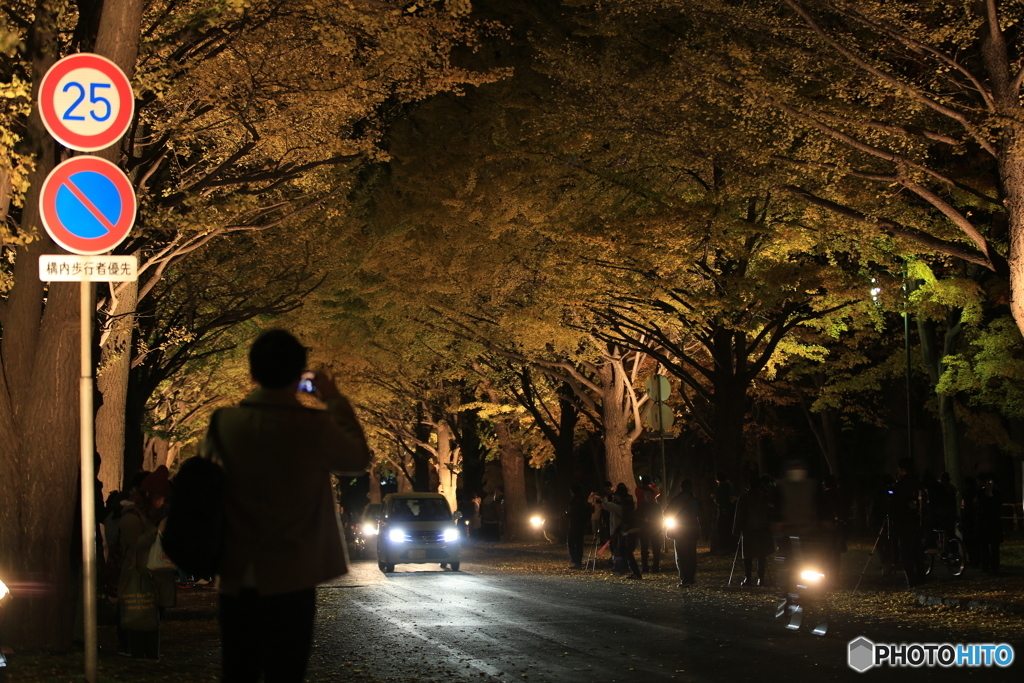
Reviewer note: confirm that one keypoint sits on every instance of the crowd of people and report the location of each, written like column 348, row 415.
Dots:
column 912, row 515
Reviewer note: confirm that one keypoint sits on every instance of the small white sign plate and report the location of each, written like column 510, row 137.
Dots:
column 70, row 268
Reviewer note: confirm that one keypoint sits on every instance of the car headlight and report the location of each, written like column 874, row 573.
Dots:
column 451, row 535
column 370, row 529
column 537, row 521
column 670, row 522
column 811, row 575
column 4, row 592
column 396, row 536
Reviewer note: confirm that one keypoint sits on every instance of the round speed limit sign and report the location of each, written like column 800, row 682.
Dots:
column 86, row 102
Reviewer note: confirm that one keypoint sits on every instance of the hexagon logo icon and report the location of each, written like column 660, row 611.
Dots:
column 861, row 654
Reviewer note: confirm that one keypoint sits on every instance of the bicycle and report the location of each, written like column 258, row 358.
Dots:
column 950, row 552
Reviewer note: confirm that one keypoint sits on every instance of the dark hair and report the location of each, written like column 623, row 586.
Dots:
column 686, row 486
column 276, row 359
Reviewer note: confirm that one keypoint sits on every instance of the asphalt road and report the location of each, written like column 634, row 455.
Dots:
column 424, row 624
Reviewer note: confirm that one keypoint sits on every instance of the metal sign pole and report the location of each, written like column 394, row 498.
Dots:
column 109, row 198
column 88, row 491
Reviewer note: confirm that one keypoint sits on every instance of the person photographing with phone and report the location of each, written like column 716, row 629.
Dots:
column 282, row 537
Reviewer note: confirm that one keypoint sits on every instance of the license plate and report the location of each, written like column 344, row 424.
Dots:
column 417, row 554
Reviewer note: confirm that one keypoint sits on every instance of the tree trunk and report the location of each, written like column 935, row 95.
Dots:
column 513, row 471
column 616, row 412
column 823, row 426
column 405, row 485
column 1006, row 95
column 421, row 461
column 38, row 415
column 828, row 428
column 564, row 443
column 117, row 39
column 374, row 493
column 448, row 464
column 39, row 357
column 729, row 421
column 935, row 361
column 133, row 453
column 5, row 194
column 112, row 383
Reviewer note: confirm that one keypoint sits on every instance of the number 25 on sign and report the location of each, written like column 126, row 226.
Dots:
column 86, row 102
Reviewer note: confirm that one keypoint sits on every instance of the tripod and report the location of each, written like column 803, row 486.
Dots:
column 590, row 563
column 883, row 531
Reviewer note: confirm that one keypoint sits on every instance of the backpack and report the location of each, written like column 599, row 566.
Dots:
column 194, row 534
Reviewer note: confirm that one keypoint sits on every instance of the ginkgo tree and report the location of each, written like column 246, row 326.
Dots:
column 906, row 114
column 248, row 115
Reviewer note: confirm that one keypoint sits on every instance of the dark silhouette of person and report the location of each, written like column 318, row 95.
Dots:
column 969, row 520
column 753, row 524
column 282, row 535
column 651, row 522
column 905, row 516
column 989, row 527
column 798, row 517
column 490, row 517
column 624, row 529
column 835, row 511
column 685, row 511
column 578, row 519
column 879, row 523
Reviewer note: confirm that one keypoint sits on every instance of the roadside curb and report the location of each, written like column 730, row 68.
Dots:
column 928, row 599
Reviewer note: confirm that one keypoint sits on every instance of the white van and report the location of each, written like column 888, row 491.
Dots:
column 417, row 528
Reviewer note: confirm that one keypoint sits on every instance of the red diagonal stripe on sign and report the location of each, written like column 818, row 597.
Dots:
column 90, row 207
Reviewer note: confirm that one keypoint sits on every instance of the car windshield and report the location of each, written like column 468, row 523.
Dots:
column 420, row 509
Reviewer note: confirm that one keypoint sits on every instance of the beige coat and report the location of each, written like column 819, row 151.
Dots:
column 282, row 531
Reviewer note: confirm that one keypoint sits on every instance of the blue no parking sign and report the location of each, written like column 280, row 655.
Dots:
column 87, row 205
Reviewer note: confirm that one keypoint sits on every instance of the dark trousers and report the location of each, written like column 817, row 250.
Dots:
column 748, row 566
column 627, row 546
column 141, row 644
column 574, row 543
column 268, row 636
column 650, row 541
column 686, row 558
column 988, row 550
column 911, row 554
